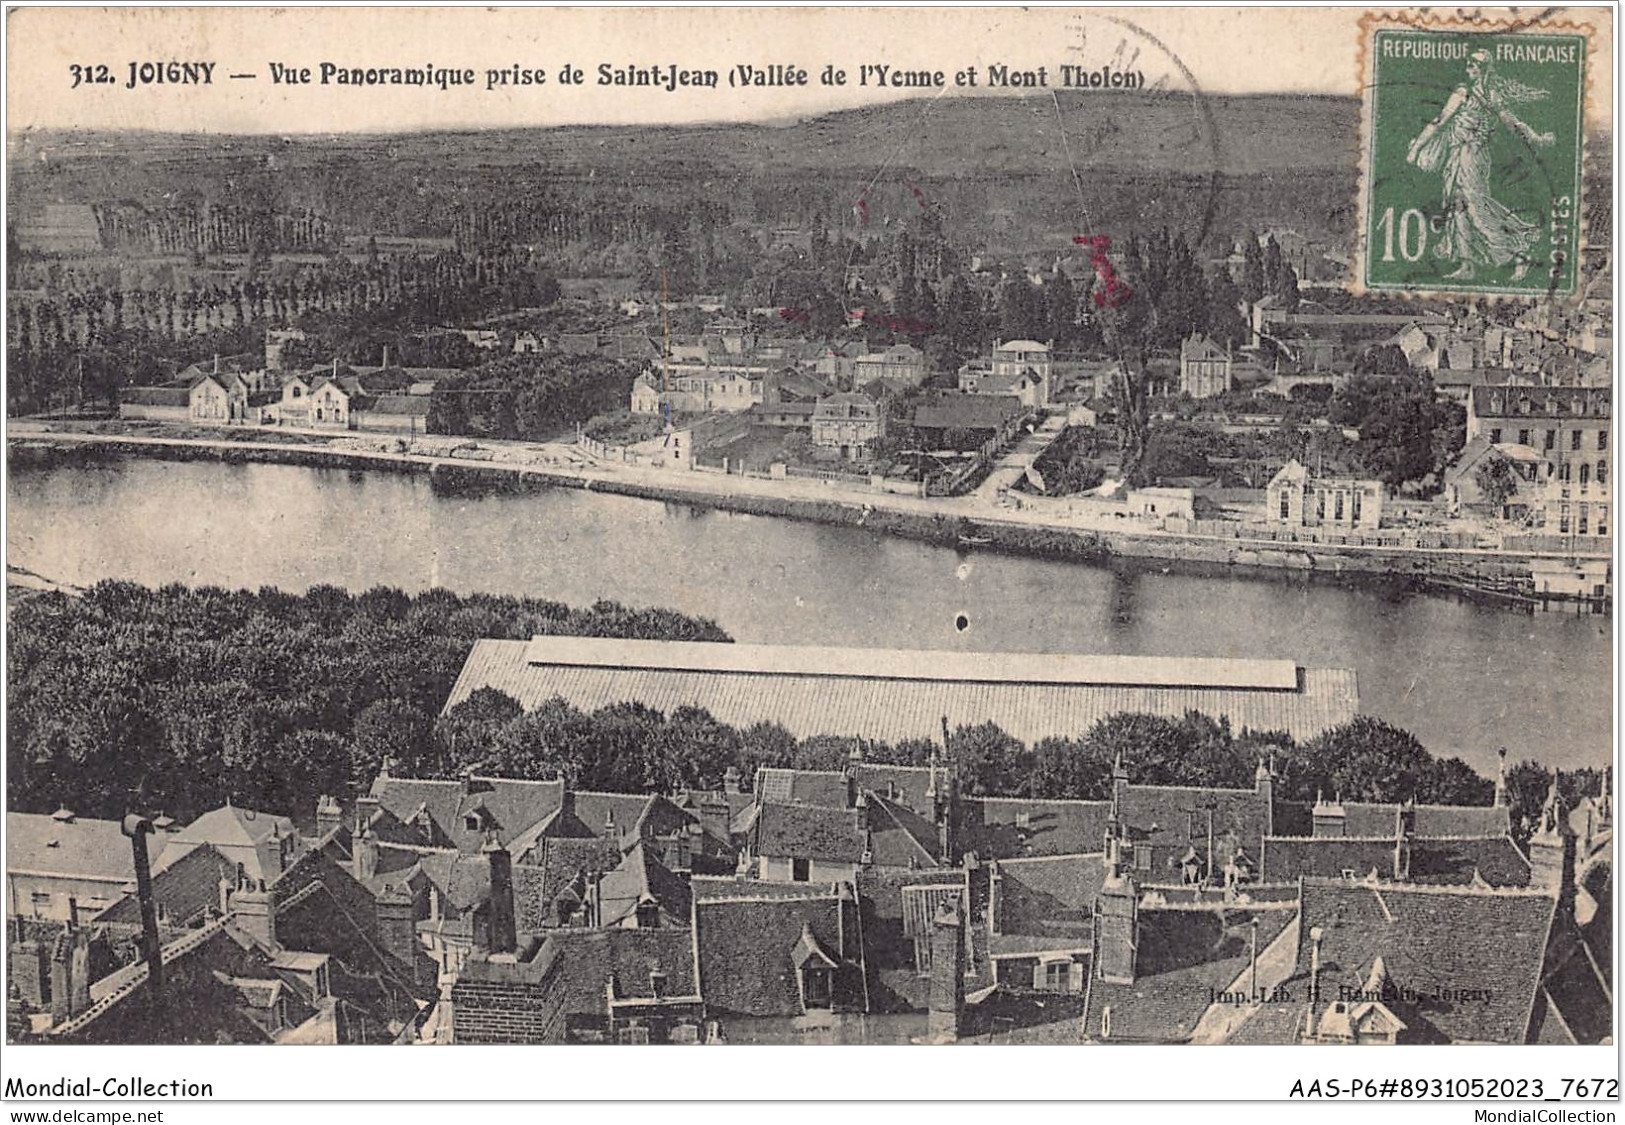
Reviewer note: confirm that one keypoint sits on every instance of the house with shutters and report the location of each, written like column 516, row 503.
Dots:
column 1569, row 427
column 1297, row 498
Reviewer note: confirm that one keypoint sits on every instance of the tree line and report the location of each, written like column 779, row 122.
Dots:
column 174, row 699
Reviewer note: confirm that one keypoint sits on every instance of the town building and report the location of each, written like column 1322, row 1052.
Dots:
column 903, row 362
column 1205, row 369
column 1569, row 428
column 1296, row 498
column 848, row 422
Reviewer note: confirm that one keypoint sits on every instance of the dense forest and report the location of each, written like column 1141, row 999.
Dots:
column 175, row 699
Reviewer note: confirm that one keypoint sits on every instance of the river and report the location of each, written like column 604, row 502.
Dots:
column 1464, row 678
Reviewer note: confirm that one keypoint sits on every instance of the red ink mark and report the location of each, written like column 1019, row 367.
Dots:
column 860, row 208
column 1116, row 292
column 919, row 196
column 794, row 314
column 904, row 324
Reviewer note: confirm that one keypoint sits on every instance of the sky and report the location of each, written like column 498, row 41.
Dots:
column 1214, row 50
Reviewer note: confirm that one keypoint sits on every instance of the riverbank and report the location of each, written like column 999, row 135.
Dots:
column 963, row 522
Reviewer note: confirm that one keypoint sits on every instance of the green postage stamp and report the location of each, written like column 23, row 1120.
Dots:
column 1472, row 155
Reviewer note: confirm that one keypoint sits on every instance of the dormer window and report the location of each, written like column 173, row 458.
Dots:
column 1523, row 405
column 472, row 822
column 817, row 984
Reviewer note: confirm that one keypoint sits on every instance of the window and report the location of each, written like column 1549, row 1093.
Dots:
column 298, row 390
column 40, row 901
column 1585, row 475
column 799, row 870
column 1354, row 515
column 1320, row 505
column 1058, row 976
column 1602, row 441
column 1142, row 857
column 1585, row 519
column 1602, row 519
column 1574, row 440
column 1602, row 472
column 634, row 1034
column 1563, row 519
column 1523, row 437
column 1106, row 1022
column 815, row 985
column 472, row 822
column 1495, row 436
column 1563, row 472
column 1285, row 504
column 1339, row 516
column 1551, row 439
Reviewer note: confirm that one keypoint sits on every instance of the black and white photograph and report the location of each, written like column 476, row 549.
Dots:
column 810, row 526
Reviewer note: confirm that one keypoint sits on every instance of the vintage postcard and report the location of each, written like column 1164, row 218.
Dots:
column 1058, row 527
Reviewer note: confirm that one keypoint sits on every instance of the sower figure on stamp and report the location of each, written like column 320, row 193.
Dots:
column 1478, row 230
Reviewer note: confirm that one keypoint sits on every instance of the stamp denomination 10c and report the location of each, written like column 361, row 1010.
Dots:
column 1472, row 160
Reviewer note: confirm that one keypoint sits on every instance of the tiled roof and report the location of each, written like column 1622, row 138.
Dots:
column 900, row 837
column 824, row 788
column 1431, row 939
column 511, row 806
column 746, row 948
column 1047, row 903
column 966, row 412
column 155, row 396
column 808, row 832
column 991, row 826
column 1544, row 402
column 1365, row 819
column 906, row 785
column 1174, row 819
column 897, row 696
column 92, row 849
column 640, row 877
column 1494, row 859
column 1184, row 956
column 401, row 404
column 464, row 881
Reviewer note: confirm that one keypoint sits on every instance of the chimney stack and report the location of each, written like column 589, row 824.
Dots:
column 1316, row 936
column 730, row 780
column 397, row 929
column 328, row 815
column 364, row 855
column 138, row 828
column 947, row 998
column 501, row 905
column 254, row 910
column 366, row 807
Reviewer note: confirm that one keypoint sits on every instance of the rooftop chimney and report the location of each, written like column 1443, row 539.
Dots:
column 328, row 815
column 138, row 828
column 254, row 910
column 364, row 855
column 947, row 998
column 501, row 907
column 730, row 780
